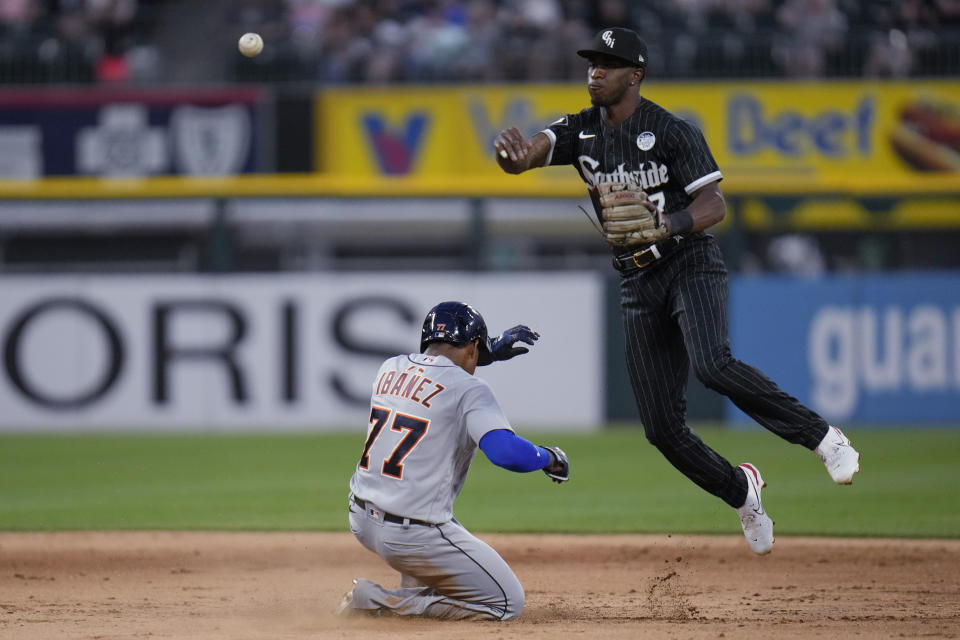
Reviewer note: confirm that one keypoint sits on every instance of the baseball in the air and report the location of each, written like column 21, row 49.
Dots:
column 250, row 44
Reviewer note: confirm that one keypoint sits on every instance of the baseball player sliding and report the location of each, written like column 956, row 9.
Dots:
column 428, row 413
column 655, row 189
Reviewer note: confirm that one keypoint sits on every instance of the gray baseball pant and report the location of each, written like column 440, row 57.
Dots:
column 446, row 572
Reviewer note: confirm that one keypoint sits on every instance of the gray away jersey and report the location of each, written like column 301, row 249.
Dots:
column 653, row 148
column 427, row 416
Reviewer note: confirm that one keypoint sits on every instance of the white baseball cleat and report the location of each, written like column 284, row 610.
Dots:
column 757, row 525
column 841, row 460
column 346, row 604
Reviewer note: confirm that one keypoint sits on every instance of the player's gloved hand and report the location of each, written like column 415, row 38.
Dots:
column 559, row 469
column 629, row 218
column 501, row 348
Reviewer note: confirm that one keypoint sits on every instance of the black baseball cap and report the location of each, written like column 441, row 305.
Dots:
column 620, row 43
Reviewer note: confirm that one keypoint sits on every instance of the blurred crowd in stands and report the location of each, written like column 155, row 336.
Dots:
column 389, row 41
column 76, row 41
column 486, row 40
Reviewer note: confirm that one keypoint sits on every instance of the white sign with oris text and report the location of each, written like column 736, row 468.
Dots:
column 273, row 352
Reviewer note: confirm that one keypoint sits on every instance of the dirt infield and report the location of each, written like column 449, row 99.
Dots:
column 213, row 586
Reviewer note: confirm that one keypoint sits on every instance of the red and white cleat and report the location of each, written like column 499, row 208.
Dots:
column 757, row 525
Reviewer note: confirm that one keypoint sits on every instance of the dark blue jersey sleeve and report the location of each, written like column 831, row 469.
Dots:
column 508, row 450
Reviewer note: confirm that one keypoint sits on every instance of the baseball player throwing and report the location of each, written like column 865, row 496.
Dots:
column 428, row 413
column 655, row 189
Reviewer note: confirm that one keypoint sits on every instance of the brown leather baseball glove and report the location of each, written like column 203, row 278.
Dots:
column 629, row 218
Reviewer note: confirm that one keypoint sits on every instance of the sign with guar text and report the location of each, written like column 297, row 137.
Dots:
column 865, row 348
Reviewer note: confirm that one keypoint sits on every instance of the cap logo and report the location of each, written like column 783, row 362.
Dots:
column 608, row 38
column 640, row 57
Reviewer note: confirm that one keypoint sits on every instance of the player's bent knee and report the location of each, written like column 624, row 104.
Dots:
column 660, row 435
column 713, row 373
column 515, row 602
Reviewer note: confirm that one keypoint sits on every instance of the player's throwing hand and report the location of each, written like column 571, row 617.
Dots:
column 511, row 145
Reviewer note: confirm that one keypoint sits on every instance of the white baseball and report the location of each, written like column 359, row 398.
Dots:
column 250, row 44
column 503, row 153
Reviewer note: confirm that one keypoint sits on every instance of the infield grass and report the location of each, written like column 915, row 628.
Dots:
column 908, row 486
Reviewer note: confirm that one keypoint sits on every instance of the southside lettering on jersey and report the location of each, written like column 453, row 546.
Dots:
column 654, row 149
column 411, row 383
column 648, row 178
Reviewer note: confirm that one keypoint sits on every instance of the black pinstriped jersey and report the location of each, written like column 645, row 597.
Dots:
column 653, row 148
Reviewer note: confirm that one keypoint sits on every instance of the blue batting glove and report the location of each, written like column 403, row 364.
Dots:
column 502, row 348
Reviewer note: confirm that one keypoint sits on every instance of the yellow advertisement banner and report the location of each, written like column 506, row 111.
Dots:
column 429, row 131
column 870, row 131
column 851, row 136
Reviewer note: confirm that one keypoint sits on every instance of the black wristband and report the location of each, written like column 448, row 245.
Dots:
column 680, row 222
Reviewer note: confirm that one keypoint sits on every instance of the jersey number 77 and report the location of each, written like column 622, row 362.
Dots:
column 416, row 428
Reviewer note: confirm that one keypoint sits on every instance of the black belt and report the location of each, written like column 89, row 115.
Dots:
column 645, row 257
column 389, row 517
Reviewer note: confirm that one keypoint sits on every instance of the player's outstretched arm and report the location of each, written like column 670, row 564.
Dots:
column 502, row 347
column 516, row 154
column 506, row 449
